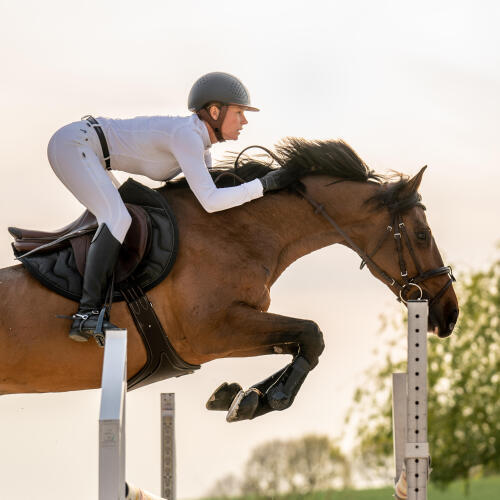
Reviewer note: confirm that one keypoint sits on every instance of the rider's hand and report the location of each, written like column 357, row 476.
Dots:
column 277, row 179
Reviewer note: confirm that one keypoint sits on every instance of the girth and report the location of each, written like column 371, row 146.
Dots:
column 162, row 360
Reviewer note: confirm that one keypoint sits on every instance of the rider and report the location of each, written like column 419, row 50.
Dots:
column 159, row 147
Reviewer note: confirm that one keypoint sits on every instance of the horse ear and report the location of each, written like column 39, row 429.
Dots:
column 414, row 182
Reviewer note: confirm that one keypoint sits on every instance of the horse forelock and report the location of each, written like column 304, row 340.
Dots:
column 397, row 196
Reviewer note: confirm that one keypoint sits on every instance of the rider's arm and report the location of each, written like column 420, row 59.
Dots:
column 187, row 147
column 207, row 157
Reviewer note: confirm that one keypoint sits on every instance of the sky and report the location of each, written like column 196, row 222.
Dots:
column 404, row 84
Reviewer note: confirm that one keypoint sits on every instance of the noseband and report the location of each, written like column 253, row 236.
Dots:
column 401, row 233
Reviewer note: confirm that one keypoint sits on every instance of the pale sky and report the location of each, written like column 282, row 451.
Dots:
column 404, row 84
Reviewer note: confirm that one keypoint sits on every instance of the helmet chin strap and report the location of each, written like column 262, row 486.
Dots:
column 216, row 125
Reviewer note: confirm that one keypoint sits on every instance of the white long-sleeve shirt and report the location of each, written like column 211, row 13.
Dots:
column 160, row 147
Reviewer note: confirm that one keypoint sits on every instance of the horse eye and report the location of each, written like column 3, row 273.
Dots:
column 422, row 235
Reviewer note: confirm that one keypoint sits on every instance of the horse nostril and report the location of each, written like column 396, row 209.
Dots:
column 452, row 320
column 454, row 316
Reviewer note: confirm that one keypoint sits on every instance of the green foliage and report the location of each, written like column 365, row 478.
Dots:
column 480, row 489
column 265, row 470
column 300, row 465
column 313, row 462
column 464, row 391
column 227, row 486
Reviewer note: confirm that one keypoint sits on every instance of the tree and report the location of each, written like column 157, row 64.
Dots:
column 265, row 470
column 225, row 487
column 315, row 463
column 299, row 465
column 464, row 390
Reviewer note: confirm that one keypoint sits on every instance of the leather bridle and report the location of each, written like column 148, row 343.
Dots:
column 400, row 234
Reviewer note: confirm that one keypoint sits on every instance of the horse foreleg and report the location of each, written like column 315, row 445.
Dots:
column 222, row 398
column 261, row 333
column 277, row 392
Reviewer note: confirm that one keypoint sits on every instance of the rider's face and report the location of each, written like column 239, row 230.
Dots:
column 233, row 122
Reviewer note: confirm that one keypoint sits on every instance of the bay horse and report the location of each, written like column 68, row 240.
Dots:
column 214, row 303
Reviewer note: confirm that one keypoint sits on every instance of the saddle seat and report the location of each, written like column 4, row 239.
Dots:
column 28, row 239
column 79, row 234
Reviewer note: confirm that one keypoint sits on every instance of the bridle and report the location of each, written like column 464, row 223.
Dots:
column 400, row 234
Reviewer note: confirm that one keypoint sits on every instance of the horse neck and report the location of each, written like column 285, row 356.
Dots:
column 301, row 231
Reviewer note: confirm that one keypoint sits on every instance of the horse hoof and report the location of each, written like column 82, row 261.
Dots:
column 223, row 396
column 244, row 406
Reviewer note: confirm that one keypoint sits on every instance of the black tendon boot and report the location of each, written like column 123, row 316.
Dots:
column 101, row 260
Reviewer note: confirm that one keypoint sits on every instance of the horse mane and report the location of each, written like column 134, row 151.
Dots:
column 302, row 157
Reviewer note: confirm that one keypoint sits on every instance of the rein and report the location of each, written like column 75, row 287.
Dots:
column 401, row 233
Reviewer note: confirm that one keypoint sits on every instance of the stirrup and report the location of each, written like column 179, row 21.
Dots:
column 98, row 333
column 86, row 329
column 100, row 339
column 100, row 316
column 78, row 333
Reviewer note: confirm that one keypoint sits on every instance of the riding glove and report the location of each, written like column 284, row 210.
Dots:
column 277, row 179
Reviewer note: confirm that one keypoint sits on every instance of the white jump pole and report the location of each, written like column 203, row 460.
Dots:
column 112, row 417
column 411, row 449
column 168, row 462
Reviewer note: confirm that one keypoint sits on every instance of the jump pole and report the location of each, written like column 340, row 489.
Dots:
column 409, row 410
column 168, row 460
column 112, row 427
column 112, row 417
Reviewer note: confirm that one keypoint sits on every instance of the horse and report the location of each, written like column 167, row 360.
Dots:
column 215, row 302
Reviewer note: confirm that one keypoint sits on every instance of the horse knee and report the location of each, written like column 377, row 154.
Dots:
column 312, row 343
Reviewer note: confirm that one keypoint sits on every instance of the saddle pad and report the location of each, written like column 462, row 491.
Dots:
column 58, row 270
column 132, row 251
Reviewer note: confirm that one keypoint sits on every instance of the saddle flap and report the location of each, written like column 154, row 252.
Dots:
column 132, row 251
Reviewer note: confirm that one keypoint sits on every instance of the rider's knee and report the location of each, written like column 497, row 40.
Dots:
column 120, row 224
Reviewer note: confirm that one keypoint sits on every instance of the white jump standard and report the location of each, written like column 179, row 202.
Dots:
column 411, row 449
column 112, row 485
column 168, row 460
column 112, row 417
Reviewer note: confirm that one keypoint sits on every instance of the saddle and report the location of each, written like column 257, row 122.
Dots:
column 57, row 259
column 79, row 234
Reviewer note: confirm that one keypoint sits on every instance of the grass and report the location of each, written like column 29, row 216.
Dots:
column 480, row 489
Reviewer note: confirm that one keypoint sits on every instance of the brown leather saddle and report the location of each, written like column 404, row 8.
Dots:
column 57, row 259
column 79, row 234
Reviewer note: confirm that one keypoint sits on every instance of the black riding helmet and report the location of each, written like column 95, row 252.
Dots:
column 218, row 87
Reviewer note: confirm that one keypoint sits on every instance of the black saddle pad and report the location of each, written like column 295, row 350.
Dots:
column 57, row 270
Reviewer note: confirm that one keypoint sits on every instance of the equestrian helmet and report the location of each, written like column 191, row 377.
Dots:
column 218, row 87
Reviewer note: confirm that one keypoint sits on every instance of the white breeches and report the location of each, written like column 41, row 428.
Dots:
column 75, row 155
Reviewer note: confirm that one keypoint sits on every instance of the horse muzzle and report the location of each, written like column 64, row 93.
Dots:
column 442, row 320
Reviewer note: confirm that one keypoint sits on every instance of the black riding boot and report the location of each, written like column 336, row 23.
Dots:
column 101, row 260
